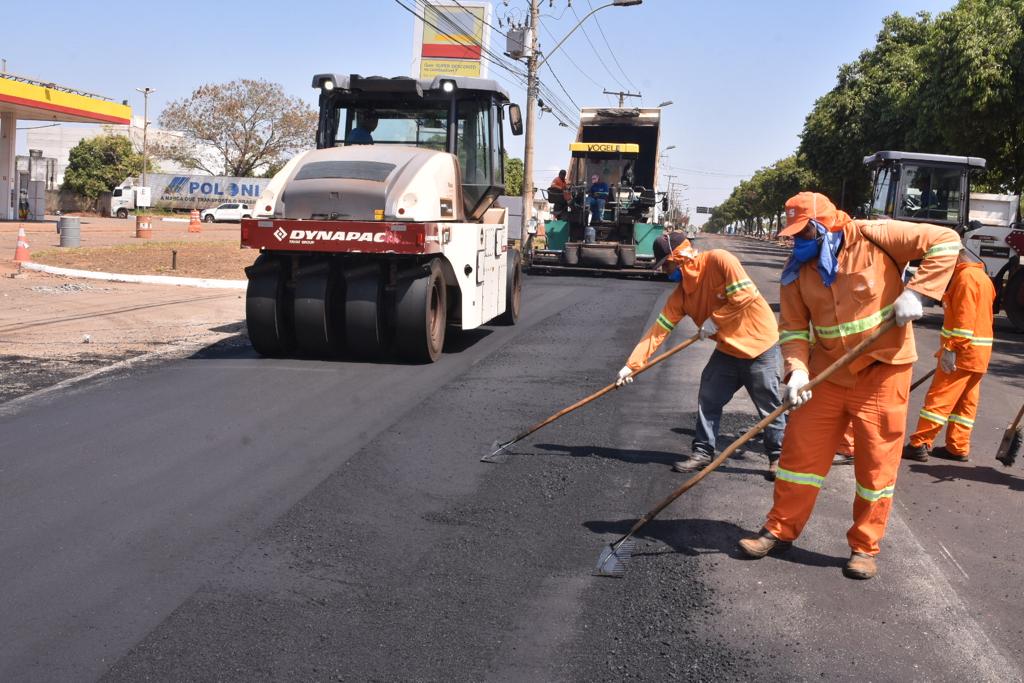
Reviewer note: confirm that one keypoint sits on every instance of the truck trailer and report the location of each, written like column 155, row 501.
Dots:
column 180, row 193
column 620, row 147
column 387, row 233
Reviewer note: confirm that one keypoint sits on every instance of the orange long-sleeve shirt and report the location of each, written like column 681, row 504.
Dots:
column 967, row 326
column 715, row 287
column 861, row 297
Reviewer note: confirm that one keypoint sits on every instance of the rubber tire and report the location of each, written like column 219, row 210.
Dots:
column 421, row 316
column 319, row 328
column 122, row 214
column 208, row 218
column 513, row 290
column 365, row 334
column 1013, row 299
column 268, row 308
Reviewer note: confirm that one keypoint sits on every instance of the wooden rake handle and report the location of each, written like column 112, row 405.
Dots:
column 839, row 363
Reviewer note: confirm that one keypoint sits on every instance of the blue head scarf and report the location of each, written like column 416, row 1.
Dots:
column 824, row 248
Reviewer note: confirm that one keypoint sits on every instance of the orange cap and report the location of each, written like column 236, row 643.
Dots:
column 806, row 206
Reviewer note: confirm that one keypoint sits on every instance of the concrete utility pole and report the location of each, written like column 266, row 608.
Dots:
column 623, row 95
column 531, row 118
column 669, row 194
column 145, row 129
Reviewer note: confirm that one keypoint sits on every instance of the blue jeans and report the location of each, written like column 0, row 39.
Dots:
column 722, row 378
column 596, row 210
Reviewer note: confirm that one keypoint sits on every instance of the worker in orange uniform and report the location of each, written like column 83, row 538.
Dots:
column 723, row 301
column 952, row 399
column 844, row 279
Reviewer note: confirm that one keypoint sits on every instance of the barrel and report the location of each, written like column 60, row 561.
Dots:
column 70, row 229
column 144, row 227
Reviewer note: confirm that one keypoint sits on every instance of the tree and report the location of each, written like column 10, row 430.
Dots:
column 513, row 176
column 97, row 165
column 251, row 124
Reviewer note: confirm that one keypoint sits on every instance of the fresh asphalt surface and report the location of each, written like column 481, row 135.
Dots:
column 227, row 517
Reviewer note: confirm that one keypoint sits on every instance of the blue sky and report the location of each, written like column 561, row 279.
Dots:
column 742, row 73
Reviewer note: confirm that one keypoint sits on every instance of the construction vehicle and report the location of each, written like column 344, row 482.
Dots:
column 387, row 232
column 935, row 188
column 620, row 147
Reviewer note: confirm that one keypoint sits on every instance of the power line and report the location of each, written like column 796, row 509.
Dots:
column 572, row 61
column 596, row 53
column 610, row 50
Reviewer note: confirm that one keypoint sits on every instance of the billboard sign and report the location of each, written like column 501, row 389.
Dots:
column 451, row 39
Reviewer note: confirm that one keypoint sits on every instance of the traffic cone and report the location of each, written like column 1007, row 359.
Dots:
column 194, row 225
column 21, row 251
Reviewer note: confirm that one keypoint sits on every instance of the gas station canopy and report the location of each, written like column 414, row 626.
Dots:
column 31, row 100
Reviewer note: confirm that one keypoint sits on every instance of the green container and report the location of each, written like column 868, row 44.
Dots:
column 558, row 234
column 644, row 234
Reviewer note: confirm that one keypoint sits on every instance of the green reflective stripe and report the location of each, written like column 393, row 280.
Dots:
column 737, row 286
column 790, row 335
column 805, row 478
column 872, row 495
column 855, row 327
column 958, row 332
column 932, row 417
column 943, row 249
column 664, row 322
column 961, row 420
column 982, row 341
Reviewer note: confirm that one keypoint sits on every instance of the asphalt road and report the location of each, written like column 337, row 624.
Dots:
column 227, row 517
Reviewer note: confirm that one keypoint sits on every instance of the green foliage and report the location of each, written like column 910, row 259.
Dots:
column 513, row 176
column 97, row 165
column 763, row 196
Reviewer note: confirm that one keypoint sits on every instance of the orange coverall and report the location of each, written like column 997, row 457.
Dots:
column 952, row 398
column 871, row 392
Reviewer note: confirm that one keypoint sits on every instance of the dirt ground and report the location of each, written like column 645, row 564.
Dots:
column 54, row 328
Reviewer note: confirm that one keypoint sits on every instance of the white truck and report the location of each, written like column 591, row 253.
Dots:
column 180, row 193
column 388, row 232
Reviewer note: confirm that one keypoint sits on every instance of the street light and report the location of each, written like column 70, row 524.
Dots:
column 146, row 92
column 665, row 104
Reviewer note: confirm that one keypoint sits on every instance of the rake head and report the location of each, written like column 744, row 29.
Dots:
column 1008, row 455
column 614, row 557
column 498, row 455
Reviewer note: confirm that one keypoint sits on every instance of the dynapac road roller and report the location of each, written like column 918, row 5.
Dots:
column 387, row 232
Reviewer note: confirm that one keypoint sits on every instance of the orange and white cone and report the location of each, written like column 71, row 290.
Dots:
column 194, row 225
column 21, row 252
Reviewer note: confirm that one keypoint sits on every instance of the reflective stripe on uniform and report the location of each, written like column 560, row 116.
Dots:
column 855, row 327
column 790, row 335
column 664, row 322
column 958, row 332
column 981, row 341
column 932, row 417
column 805, row 478
column 961, row 420
column 737, row 286
column 872, row 495
column 943, row 248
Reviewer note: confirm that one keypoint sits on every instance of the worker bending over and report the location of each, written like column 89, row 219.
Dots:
column 715, row 291
column 844, row 279
column 952, row 399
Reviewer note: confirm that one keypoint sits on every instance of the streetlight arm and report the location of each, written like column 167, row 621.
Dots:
column 573, row 30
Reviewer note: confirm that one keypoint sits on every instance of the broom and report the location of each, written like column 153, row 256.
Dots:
column 1010, row 445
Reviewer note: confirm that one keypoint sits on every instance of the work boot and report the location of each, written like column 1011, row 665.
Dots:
column 842, row 459
column 759, row 546
column 918, row 453
column 698, row 461
column 860, row 566
column 945, row 454
column 773, row 468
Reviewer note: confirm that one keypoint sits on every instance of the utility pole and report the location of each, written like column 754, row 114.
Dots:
column 622, row 96
column 145, row 129
column 669, row 194
column 531, row 118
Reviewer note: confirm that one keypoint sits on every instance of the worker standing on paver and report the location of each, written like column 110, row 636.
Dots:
column 715, row 291
column 952, row 399
column 844, row 279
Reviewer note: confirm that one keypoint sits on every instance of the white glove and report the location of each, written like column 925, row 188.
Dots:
column 625, row 376
column 907, row 307
column 708, row 329
column 797, row 380
column 947, row 361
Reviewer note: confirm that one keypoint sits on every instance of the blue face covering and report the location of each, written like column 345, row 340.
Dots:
column 676, row 275
column 824, row 248
column 804, row 250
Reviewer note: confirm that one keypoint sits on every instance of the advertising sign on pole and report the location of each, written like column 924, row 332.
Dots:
column 450, row 39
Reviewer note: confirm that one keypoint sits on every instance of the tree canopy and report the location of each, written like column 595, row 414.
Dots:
column 513, row 176
column 251, row 124
column 97, row 165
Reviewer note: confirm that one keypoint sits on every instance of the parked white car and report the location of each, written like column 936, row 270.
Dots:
column 227, row 212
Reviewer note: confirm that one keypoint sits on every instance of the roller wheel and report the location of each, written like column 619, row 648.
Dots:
column 268, row 314
column 513, row 289
column 364, row 319
column 1013, row 299
column 421, row 316
column 319, row 331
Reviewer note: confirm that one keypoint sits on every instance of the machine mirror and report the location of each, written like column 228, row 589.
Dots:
column 515, row 119
column 664, row 203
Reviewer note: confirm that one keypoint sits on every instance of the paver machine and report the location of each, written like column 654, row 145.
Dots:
column 935, row 188
column 387, row 234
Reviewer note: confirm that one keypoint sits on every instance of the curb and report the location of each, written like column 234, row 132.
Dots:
column 204, row 283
